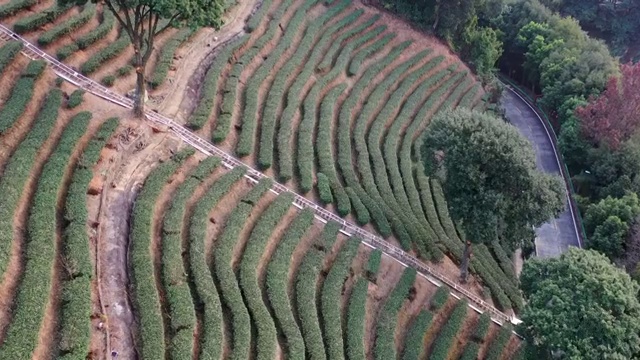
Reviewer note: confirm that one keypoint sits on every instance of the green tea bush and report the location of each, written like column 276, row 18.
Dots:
column 102, row 56
column 330, row 296
column 279, row 87
column 439, row 298
column 305, row 296
column 470, row 351
column 469, row 96
column 8, row 52
column 108, row 80
column 257, row 17
column 39, row 252
column 75, row 310
column 324, row 189
column 17, row 168
column 338, row 44
column 266, row 334
column 75, row 98
column 53, row 34
column 482, row 328
column 373, row 264
column 414, row 343
column 124, row 70
column 273, row 99
column 14, row 6
column 496, row 348
column 165, row 58
column 203, row 110
column 145, row 299
column 277, row 279
column 388, row 317
column 503, row 260
column 362, row 214
column 35, row 21
column 355, row 320
column 345, row 163
column 367, row 52
column 89, row 38
column 285, row 161
column 447, row 335
column 223, row 270
column 211, row 336
column 246, row 139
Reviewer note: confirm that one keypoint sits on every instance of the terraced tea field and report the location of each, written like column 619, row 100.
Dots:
column 328, row 98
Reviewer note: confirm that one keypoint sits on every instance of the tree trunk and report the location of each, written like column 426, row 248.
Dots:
column 138, row 108
column 464, row 265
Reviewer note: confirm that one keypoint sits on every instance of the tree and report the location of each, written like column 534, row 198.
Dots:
column 489, row 177
column 608, row 222
column 614, row 116
column 482, row 49
column 141, row 20
column 579, row 306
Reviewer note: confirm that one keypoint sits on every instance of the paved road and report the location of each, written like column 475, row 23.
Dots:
column 554, row 237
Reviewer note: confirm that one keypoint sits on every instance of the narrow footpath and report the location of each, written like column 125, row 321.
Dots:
column 554, row 237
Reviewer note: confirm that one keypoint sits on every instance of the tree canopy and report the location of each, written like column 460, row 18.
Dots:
column 489, row 176
column 580, row 306
column 142, row 20
column 608, row 222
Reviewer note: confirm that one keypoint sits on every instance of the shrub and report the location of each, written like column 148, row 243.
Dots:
column 277, row 279
column 470, row 351
column 108, row 20
column 75, row 98
column 362, row 214
column 16, row 171
column 256, row 18
column 124, row 70
column 324, row 189
column 367, row 52
column 102, row 56
column 448, row 332
column 414, row 344
column 504, row 261
column 306, row 295
column 467, row 99
column 75, row 309
column 32, row 295
column 499, row 343
column 388, row 316
column 108, row 80
column 338, row 44
column 211, row 336
column 21, row 93
column 223, row 270
column 68, row 26
column 8, row 52
column 285, row 161
column 373, row 264
column 165, row 58
column 439, row 298
column 265, row 328
column 355, row 320
column 275, row 94
column 330, row 296
column 482, row 328
column 14, row 6
column 279, row 87
column 33, row 22
column 210, row 88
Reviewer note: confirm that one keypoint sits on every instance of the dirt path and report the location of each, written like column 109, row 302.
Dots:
column 423, row 290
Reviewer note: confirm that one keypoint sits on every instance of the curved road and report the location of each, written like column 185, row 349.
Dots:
column 554, row 237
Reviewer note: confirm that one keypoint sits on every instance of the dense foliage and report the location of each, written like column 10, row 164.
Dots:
column 581, row 306
column 490, row 179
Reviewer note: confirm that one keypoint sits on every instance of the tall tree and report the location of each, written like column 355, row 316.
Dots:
column 580, row 306
column 614, row 116
column 490, row 180
column 140, row 19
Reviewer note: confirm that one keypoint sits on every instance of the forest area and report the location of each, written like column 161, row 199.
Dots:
column 577, row 59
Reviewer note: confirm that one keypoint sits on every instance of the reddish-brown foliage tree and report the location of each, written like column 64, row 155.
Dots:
column 614, row 116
